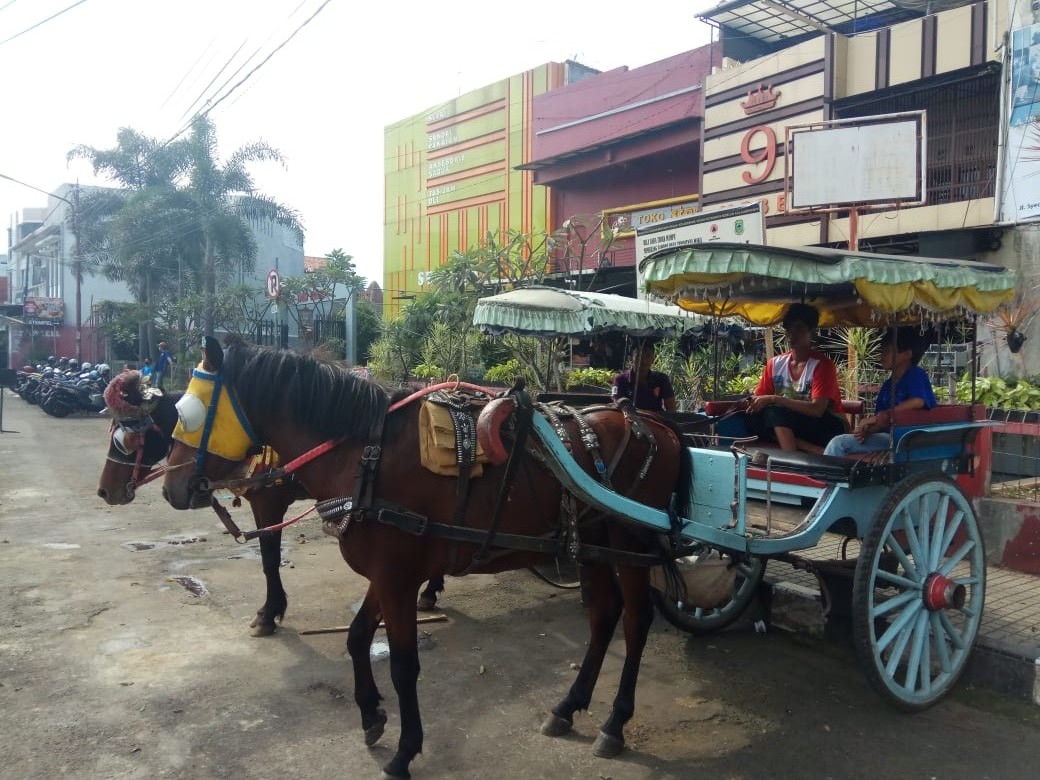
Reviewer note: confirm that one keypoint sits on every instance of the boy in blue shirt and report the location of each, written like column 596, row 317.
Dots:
column 913, row 390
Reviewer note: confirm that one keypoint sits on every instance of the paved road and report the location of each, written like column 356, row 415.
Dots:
column 110, row 669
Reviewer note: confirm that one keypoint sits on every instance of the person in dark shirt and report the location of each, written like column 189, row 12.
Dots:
column 650, row 390
column 913, row 390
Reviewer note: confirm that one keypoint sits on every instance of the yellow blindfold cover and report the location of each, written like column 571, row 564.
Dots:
column 231, row 436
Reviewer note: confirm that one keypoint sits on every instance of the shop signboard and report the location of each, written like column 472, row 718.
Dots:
column 43, row 311
column 744, row 224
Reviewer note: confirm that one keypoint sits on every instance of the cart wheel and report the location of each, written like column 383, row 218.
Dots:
column 559, row 572
column 918, row 592
column 696, row 620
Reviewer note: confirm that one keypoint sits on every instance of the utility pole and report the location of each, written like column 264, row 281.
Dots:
column 350, row 326
column 77, row 265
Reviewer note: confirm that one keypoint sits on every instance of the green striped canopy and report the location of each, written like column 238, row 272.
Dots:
column 549, row 311
column 758, row 283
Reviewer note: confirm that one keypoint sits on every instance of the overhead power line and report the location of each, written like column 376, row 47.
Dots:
column 253, row 70
column 42, row 22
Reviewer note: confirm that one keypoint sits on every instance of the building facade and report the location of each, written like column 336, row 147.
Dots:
column 877, row 59
column 617, row 149
column 453, row 174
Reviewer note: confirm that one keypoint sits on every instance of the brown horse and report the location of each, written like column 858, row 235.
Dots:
column 141, row 436
column 394, row 533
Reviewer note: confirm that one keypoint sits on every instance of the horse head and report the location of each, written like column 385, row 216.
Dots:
column 247, row 396
column 142, row 424
column 211, row 437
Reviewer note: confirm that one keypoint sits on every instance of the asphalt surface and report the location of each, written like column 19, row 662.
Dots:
column 112, row 668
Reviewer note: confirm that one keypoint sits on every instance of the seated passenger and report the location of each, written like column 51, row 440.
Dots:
column 913, row 390
column 797, row 403
column 650, row 390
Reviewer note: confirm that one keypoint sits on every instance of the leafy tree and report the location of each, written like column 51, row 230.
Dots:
column 369, row 327
column 316, row 291
column 136, row 234
column 578, row 246
column 226, row 202
column 180, row 226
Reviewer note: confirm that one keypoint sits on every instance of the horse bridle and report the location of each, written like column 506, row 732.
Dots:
column 129, row 436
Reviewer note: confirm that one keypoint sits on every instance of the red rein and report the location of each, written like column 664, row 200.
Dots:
column 434, row 388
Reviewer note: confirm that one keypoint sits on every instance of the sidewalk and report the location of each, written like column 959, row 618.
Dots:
column 1007, row 654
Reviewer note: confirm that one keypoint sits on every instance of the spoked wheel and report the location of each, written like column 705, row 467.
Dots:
column 918, row 592
column 697, row 620
column 559, row 572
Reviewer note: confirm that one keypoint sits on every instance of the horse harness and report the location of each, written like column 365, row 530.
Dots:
column 129, row 437
column 340, row 514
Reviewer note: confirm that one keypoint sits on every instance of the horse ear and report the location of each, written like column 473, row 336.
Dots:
column 214, row 355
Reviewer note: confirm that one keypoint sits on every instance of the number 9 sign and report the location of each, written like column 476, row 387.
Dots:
column 766, row 155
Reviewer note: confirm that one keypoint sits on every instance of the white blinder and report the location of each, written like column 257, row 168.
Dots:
column 192, row 412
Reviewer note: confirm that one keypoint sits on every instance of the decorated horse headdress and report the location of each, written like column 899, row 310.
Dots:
column 128, row 396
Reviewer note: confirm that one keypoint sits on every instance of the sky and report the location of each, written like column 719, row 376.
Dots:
column 323, row 99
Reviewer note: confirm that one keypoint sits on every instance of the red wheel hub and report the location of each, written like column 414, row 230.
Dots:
column 942, row 593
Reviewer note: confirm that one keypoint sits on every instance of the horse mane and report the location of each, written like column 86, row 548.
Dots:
column 321, row 396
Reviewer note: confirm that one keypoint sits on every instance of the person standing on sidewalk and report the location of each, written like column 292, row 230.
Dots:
column 162, row 365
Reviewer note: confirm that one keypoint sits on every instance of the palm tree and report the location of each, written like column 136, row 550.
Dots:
column 226, row 202
column 136, row 233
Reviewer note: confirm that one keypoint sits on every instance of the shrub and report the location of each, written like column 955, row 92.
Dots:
column 596, row 377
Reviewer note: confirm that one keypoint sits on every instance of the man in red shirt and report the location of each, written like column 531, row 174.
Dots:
column 798, row 403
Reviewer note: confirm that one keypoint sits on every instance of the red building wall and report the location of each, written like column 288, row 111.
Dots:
column 620, row 138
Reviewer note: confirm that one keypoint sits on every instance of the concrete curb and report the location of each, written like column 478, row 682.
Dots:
column 1011, row 532
column 995, row 665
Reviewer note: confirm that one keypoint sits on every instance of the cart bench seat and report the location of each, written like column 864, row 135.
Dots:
column 826, row 468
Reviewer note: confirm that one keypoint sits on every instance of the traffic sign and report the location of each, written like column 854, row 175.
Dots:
column 274, row 284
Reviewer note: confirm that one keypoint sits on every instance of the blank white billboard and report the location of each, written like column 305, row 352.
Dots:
column 869, row 162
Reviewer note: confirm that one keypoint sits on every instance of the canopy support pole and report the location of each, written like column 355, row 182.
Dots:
column 852, row 359
column 974, row 359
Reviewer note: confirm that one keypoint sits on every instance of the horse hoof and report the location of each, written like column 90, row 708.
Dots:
column 259, row 628
column 555, row 726
column 426, row 604
column 397, row 769
column 607, row 746
column 375, row 731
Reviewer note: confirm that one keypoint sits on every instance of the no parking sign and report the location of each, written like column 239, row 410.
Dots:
column 274, row 284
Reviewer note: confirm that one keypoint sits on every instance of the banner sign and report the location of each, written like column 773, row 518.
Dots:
column 743, row 224
column 1020, row 196
column 43, row 311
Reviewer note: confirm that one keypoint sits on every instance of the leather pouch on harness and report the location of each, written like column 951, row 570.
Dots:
column 448, row 436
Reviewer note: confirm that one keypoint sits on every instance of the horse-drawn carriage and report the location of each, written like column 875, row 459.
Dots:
column 623, row 491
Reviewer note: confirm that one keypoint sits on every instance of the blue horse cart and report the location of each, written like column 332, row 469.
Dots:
column 918, row 581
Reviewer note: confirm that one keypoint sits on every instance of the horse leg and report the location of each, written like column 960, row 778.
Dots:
column 428, row 598
column 277, row 601
column 359, row 645
column 639, row 614
column 399, row 612
column 603, row 601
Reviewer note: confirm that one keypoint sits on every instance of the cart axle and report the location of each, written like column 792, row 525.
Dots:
column 942, row 593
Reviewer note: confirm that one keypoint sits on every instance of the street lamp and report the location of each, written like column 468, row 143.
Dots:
column 77, row 257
